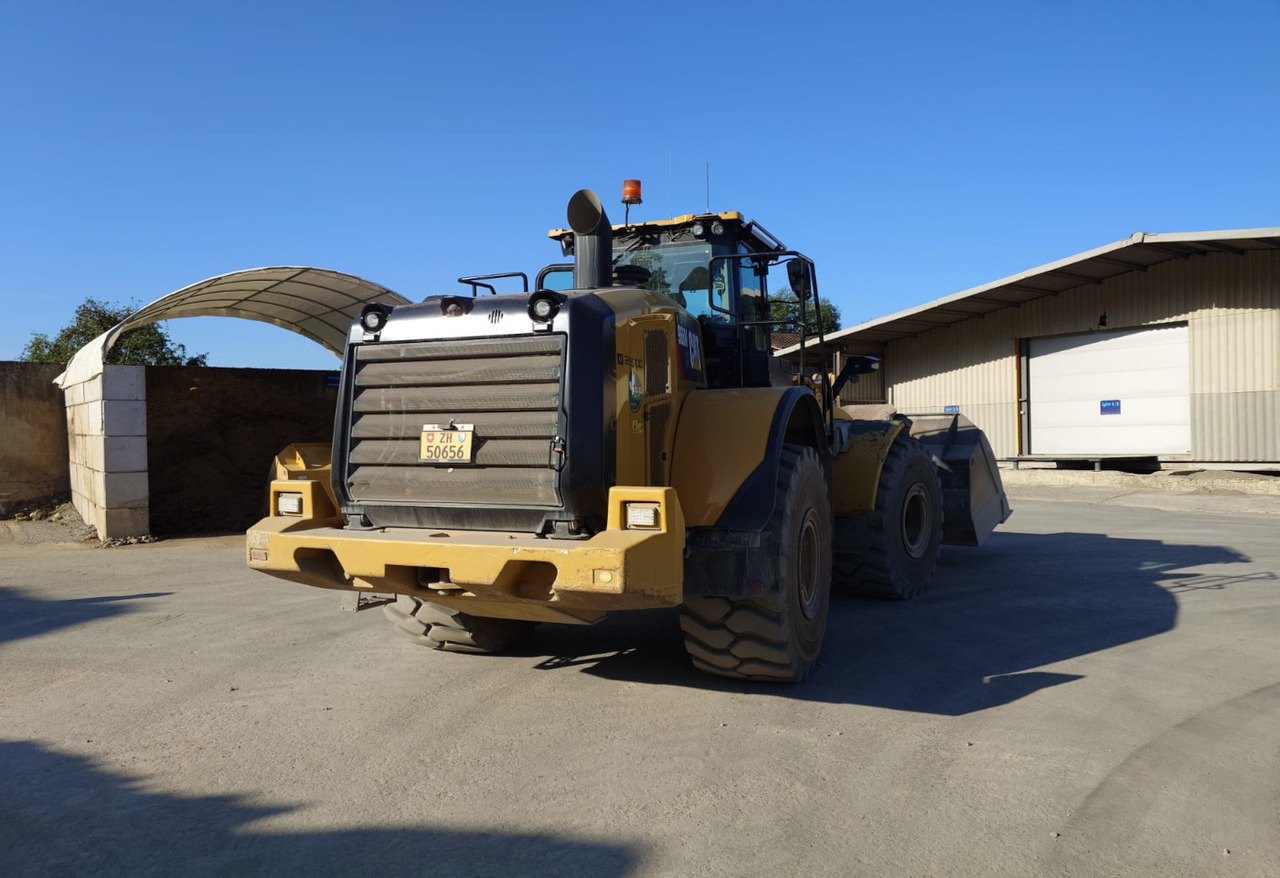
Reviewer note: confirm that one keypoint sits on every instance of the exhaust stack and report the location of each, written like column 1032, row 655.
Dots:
column 592, row 241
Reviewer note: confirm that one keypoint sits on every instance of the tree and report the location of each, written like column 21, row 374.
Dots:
column 147, row 345
column 784, row 305
column 651, row 260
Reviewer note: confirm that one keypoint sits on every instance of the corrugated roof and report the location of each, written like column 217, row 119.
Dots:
column 779, row 339
column 1138, row 252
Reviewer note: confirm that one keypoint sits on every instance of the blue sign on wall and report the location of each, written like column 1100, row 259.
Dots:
column 331, row 380
column 1111, row 406
column 951, row 409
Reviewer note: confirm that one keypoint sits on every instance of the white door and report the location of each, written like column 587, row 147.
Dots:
column 1122, row 392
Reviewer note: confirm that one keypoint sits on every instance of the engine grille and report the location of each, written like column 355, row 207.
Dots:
column 508, row 387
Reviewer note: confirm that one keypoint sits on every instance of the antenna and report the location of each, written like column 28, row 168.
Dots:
column 669, row 164
column 708, row 187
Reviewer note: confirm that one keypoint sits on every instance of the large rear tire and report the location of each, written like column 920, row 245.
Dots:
column 906, row 529
column 775, row 637
column 439, row 627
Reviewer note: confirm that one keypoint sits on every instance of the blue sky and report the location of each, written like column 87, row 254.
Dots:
column 912, row 149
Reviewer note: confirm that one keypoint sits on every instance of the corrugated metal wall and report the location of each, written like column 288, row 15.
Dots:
column 1231, row 303
column 870, row 388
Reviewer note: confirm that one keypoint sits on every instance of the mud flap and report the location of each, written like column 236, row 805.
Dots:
column 973, row 497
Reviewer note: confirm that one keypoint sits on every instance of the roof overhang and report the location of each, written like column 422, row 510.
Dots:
column 1138, row 252
column 314, row 302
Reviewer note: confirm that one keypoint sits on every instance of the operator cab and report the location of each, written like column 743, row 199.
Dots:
column 700, row 262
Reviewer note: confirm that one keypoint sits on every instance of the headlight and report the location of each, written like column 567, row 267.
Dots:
column 642, row 516
column 373, row 319
column 543, row 306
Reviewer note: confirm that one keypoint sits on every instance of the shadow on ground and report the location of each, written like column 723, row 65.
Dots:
column 22, row 616
column 61, row 815
column 993, row 615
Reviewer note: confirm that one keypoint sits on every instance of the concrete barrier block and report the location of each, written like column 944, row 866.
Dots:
column 124, row 382
column 81, row 479
column 80, row 448
column 89, row 419
column 85, row 419
column 76, row 416
column 93, row 419
column 84, row 506
column 75, row 448
column 124, row 490
column 124, row 454
column 124, row 417
column 93, row 454
column 91, row 390
column 97, row 488
column 73, row 395
column 116, row 523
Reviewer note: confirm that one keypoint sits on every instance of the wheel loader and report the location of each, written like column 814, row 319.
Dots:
column 620, row 438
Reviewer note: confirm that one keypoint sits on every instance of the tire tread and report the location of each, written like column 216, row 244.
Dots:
column 438, row 627
column 749, row 639
column 869, row 573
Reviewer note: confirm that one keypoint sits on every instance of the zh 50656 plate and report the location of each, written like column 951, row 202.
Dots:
column 446, row 444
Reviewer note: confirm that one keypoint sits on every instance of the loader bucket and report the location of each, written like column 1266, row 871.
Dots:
column 973, row 496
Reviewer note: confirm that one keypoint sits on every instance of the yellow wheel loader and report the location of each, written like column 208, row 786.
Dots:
column 619, row 438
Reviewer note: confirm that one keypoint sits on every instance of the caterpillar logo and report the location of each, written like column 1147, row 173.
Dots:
column 691, row 346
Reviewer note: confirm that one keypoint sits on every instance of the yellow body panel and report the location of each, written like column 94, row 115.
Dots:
column 511, row 575
column 855, row 474
column 720, row 439
column 306, row 461
column 649, row 385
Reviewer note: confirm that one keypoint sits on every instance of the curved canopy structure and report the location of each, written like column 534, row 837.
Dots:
column 315, row 302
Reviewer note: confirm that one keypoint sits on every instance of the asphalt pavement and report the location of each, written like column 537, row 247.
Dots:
column 1094, row 692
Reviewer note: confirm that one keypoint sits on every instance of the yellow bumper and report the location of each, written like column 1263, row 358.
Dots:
column 506, row 575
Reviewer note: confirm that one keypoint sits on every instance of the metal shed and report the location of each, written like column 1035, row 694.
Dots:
column 1158, row 345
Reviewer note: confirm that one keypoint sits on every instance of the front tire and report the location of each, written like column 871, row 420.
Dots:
column 906, row 529
column 774, row 637
column 440, row 627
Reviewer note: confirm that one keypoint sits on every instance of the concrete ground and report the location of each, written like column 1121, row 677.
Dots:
column 1095, row 692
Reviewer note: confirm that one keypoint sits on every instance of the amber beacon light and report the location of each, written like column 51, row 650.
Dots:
column 631, row 192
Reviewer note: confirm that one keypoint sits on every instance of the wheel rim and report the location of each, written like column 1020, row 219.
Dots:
column 916, row 519
column 808, row 563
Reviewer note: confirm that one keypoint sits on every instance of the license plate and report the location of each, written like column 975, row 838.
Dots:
column 446, row 444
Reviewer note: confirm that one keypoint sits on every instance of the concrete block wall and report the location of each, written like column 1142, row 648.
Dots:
column 107, row 443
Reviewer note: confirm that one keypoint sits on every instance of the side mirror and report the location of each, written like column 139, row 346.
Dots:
column 798, row 278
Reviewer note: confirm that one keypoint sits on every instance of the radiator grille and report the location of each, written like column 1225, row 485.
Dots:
column 655, row 362
column 508, row 387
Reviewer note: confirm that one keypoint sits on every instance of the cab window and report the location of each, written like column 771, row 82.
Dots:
column 754, row 304
column 682, row 272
